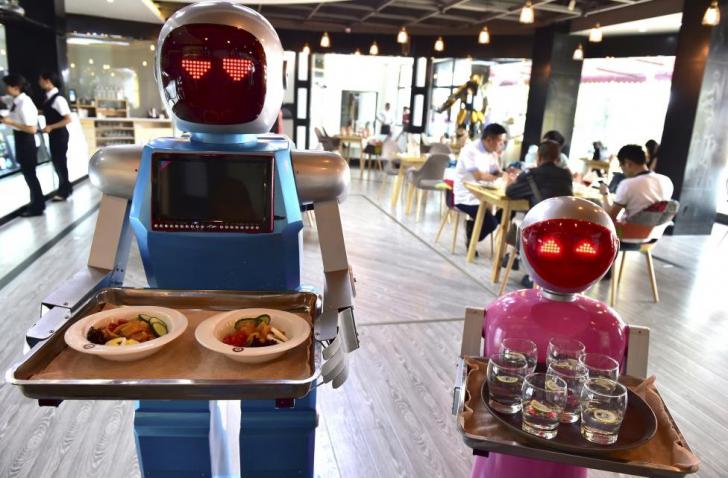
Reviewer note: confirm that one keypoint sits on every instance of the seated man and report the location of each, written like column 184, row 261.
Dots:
column 641, row 187
column 531, row 157
column 478, row 161
column 546, row 180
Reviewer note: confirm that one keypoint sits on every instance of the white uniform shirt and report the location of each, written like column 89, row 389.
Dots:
column 59, row 104
column 641, row 191
column 25, row 111
column 385, row 117
column 473, row 157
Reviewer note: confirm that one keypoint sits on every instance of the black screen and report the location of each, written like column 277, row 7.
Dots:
column 212, row 191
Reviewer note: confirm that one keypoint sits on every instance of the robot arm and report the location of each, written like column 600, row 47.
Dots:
column 322, row 178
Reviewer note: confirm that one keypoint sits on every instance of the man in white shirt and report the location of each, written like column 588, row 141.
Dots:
column 478, row 161
column 57, row 115
column 385, row 120
column 641, row 187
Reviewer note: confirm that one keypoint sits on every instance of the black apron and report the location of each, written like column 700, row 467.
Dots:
column 58, row 144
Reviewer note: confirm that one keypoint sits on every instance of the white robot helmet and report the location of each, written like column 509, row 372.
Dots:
column 567, row 244
column 219, row 68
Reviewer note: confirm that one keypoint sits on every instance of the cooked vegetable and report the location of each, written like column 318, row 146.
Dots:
column 128, row 332
column 254, row 332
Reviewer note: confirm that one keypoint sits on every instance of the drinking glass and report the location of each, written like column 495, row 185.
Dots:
column 600, row 365
column 505, row 381
column 603, row 404
column 563, row 349
column 575, row 375
column 543, row 399
column 523, row 348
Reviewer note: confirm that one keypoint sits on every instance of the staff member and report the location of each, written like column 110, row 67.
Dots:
column 23, row 118
column 385, row 120
column 57, row 115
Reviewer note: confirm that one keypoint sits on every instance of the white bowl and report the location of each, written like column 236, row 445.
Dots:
column 75, row 336
column 211, row 332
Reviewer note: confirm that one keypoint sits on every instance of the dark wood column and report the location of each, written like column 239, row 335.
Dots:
column 554, row 85
column 694, row 143
column 37, row 42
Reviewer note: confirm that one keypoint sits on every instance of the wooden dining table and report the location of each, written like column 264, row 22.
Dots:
column 348, row 140
column 406, row 161
column 489, row 197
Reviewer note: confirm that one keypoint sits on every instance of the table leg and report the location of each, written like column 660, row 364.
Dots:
column 476, row 231
column 501, row 244
column 397, row 187
column 361, row 166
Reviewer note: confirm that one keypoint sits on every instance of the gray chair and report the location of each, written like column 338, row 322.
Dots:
column 424, row 180
column 327, row 142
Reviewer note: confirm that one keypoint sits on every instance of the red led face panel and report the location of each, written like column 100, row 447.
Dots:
column 569, row 253
column 213, row 74
column 238, row 68
column 195, row 68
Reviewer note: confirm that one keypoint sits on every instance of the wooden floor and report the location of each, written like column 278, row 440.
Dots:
column 392, row 418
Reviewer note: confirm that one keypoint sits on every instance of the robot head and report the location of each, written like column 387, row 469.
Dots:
column 219, row 68
column 567, row 244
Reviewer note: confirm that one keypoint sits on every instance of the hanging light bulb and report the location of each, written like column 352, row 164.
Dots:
column 712, row 14
column 374, row 49
column 357, row 52
column 439, row 44
column 484, row 36
column 595, row 34
column 306, row 50
column 572, row 5
column 402, row 36
column 579, row 53
column 325, row 41
column 527, row 15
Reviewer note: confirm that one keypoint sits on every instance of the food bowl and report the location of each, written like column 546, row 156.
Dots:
column 211, row 332
column 76, row 336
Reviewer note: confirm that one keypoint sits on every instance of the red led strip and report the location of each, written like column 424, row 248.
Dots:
column 237, row 68
column 586, row 249
column 550, row 248
column 196, row 68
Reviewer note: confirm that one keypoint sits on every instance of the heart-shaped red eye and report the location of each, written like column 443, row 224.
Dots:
column 237, row 68
column 196, row 68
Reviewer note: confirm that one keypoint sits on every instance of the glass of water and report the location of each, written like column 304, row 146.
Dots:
column 521, row 347
column 564, row 349
column 543, row 399
column 505, row 380
column 603, row 405
column 600, row 365
column 575, row 375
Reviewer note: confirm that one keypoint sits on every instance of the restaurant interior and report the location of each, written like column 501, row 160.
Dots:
column 389, row 135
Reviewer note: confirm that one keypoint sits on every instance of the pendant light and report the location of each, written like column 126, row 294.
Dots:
column 572, row 5
column 357, row 52
column 484, row 36
column 325, row 41
column 527, row 15
column 595, row 34
column 712, row 14
column 402, row 36
column 306, row 50
column 374, row 49
column 578, row 53
column 439, row 44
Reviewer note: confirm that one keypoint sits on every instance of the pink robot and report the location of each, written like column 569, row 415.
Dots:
column 567, row 244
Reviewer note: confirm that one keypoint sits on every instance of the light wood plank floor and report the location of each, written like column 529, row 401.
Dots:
column 392, row 418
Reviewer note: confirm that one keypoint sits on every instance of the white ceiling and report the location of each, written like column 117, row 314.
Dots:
column 133, row 10
column 663, row 24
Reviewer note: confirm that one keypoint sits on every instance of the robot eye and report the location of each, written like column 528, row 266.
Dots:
column 550, row 248
column 196, row 68
column 585, row 249
column 238, row 68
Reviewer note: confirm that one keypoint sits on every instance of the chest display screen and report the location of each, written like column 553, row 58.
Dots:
column 209, row 192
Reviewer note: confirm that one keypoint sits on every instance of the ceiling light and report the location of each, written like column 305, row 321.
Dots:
column 73, row 65
column 572, row 5
column 712, row 14
column 578, row 53
column 402, row 36
column 151, row 47
column 306, row 50
column 110, row 1
column 106, row 67
column 3, row 52
column 374, row 49
column 595, row 34
column 90, row 61
column 484, row 36
column 357, row 52
column 439, row 44
column 325, row 41
column 144, row 63
column 347, row 29
column 527, row 15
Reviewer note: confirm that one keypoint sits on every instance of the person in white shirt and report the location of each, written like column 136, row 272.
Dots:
column 385, row 120
column 23, row 119
column 57, row 116
column 478, row 161
column 641, row 187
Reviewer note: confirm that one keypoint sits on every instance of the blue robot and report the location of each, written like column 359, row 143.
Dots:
column 220, row 209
